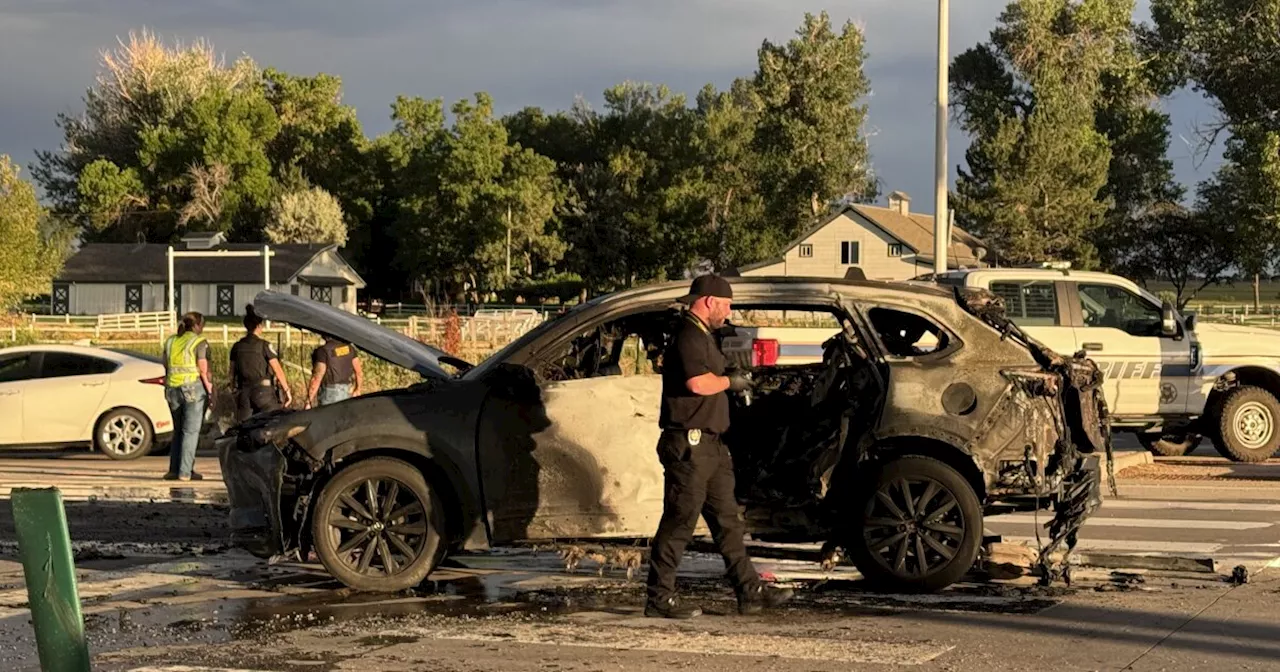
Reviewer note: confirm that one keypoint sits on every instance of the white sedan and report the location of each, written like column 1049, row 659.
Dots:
column 53, row 395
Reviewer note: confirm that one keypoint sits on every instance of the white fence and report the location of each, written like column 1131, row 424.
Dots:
column 486, row 330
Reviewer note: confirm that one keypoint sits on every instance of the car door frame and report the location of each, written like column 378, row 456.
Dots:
column 1177, row 367
column 15, row 388
column 74, row 433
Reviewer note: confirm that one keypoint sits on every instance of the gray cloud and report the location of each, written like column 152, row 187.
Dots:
column 524, row 52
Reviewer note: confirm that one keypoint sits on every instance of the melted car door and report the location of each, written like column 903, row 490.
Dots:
column 572, row 458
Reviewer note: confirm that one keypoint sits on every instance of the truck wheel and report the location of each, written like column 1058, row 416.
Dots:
column 378, row 526
column 1247, row 425
column 917, row 527
column 1170, row 444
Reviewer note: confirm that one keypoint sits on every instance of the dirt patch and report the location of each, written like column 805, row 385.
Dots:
column 1227, row 471
column 137, row 522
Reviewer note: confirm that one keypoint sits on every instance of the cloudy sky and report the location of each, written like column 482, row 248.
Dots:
column 524, row 52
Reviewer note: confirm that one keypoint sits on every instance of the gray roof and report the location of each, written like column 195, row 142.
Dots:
column 146, row 263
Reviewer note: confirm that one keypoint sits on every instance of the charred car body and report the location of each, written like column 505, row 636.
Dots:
column 927, row 408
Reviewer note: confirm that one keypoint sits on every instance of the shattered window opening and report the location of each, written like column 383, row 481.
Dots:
column 907, row 335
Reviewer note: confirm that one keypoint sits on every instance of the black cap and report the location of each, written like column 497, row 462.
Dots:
column 708, row 285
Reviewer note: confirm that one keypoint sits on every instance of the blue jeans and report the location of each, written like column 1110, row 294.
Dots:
column 332, row 394
column 186, row 404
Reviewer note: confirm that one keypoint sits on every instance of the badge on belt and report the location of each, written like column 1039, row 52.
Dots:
column 695, row 436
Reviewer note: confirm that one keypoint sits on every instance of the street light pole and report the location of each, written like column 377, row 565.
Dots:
column 941, row 230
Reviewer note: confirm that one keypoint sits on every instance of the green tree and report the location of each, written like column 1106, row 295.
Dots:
column 309, row 216
column 28, row 259
column 810, row 126
column 157, row 121
column 1039, row 165
column 320, row 142
column 1189, row 249
column 1244, row 196
column 456, row 187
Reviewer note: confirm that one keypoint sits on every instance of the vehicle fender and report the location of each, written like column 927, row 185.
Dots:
column 1217, row 379
column 445, row 467
column 928, row 442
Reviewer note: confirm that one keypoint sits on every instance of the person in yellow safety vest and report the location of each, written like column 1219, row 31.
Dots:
column 187, row 387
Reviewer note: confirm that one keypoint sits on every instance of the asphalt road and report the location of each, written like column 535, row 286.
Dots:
column 161, row 591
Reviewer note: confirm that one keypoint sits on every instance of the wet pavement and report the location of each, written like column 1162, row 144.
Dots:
column 161, row 590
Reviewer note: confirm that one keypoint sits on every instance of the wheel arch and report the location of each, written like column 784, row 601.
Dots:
column 947, row 453
column 461, row 511
column 1244, row 376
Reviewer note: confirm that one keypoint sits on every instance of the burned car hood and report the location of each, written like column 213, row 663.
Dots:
column 373, row 338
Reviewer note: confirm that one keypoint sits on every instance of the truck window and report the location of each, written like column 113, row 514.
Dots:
column 1029, row 304
column 1108, row 306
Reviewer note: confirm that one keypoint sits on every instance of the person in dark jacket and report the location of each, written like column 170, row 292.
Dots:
column 336, row 373
column 257, row 379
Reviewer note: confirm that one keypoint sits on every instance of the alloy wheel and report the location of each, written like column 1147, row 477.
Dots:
column 123, row 435
column 379, row 527
column 913, row 526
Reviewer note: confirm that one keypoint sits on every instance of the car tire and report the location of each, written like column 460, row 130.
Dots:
column 887, row 541
column 1169, row 444
column 123, row 434
column 1247, row 425
column 355, row 539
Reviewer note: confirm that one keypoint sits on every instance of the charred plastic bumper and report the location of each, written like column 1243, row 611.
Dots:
column 253, row 473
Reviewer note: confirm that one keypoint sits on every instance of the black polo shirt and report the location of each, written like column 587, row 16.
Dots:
column 692, row 353
column 339, row 360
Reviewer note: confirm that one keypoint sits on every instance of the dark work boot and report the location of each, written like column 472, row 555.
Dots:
column 754, row 599
column 670, row 608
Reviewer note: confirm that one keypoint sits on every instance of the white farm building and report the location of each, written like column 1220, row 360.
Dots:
column 105, row 278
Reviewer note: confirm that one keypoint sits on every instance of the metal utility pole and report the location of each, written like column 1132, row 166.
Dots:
column 941, row 232
column 508, row 242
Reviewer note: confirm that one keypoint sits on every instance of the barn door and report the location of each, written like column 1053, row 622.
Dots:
column 61, row 299
column 226, row 300
column 133, row 298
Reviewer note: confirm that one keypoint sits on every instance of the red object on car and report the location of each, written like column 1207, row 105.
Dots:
column 764, row 352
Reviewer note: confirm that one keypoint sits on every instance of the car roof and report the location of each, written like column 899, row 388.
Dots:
column 103, row 353
column 777, row 282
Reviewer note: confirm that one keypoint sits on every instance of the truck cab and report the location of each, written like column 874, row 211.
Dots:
column 1167, row 379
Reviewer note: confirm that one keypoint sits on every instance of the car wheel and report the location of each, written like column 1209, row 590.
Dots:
column 1247, row 425
column 1169, row 444
column 123, row 434
column 378, row 526
column 918, row 526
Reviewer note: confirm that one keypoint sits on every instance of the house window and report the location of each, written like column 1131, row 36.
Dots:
column 226, row 300
column 806, row 251
column 895, row 249
column 61, row 299
column 346, row 295
column 322, row 294
column 133, row 298
column 849, row 253
column 294, row 289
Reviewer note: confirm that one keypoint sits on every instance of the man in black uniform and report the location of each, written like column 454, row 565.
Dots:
column 336, row 373
column 255, row 371
column 699, row 471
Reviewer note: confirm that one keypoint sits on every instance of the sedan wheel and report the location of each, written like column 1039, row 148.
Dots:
column 920, row 526
column 378, row 526
column 123, row 434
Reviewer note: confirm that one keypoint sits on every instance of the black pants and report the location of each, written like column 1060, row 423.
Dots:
column 253, row 400
column 699, row 481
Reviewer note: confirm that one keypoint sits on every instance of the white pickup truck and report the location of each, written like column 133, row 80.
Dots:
column 1169, row 380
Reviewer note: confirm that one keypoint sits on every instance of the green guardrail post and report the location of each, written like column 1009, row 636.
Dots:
column 48, row 566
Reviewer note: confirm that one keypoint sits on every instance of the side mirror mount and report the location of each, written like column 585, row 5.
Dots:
column 1168, row 320
column 1190, row 321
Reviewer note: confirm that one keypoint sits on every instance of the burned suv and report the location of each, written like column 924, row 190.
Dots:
column 927, row 408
